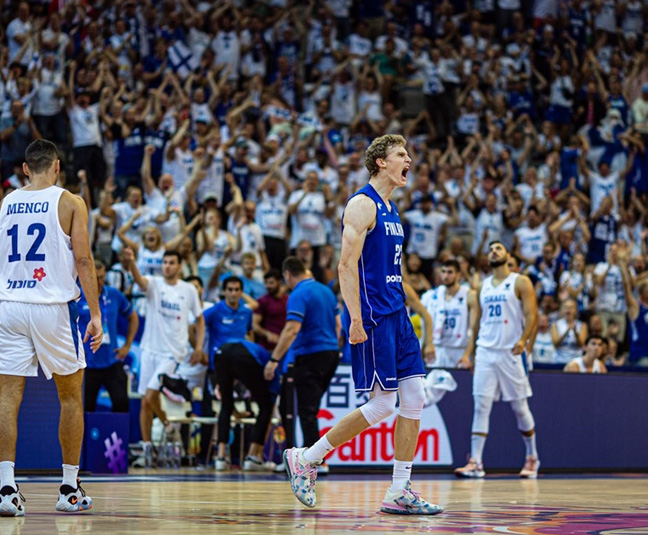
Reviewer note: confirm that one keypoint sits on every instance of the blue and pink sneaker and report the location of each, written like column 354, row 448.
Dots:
column 407, row 502
column 302, row 475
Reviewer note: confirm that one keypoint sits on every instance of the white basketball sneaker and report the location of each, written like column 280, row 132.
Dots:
column 11, row 501
column 472, row 469
column 72, row 500
column 530, row 468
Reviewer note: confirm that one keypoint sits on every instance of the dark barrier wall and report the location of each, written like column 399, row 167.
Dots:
column 583, row 422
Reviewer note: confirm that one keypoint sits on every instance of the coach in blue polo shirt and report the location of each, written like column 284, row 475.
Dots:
column 311, row 332
column 106, row 366
column 233, row 356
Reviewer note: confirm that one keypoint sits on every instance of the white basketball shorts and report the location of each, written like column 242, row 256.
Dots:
column 33, row 334
column 501, row 374
column 447, row 357
column 194, row 375
column 152, row 366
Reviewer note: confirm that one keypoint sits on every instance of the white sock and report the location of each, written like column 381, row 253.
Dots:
column 477, row 443
column 530, row 445
column 402, row 473
column 70, row 473
column 318, row 451
column 7, row 474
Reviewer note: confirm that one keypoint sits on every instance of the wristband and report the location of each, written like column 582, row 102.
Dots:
column 274, row 360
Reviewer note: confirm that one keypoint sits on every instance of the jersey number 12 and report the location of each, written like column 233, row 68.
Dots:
column 33, row 255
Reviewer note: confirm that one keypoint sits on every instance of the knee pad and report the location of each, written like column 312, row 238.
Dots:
column 525, row 421
column 412, row 398
column 380, row 406
column 481, row 414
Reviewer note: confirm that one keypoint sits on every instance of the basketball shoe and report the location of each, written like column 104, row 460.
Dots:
column 530, row 468
column 407, row 502
column 71, row 500
column 302, row 476
column 11, row 501
column 472, row 469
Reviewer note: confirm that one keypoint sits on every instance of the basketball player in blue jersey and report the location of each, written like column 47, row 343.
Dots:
column 503, row 328
column 385, row 351
column 44, row 246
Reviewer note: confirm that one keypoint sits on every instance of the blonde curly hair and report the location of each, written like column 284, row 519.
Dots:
column 379, row 149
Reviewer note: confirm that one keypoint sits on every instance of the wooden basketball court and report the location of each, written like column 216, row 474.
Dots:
column 186, row 502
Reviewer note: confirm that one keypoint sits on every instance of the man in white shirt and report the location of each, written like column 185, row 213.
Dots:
column 640, row 110
column 87, row 142
column 359, row 45
column 170, row 302
column 227, row 47
column 428, row 228
column 610, row 302
column 18, row 32
column 529, row 240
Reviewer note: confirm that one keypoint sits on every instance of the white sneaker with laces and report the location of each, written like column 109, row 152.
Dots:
column 407, row 502
column 530, row 468
column 472, row 469
column 302, row 476
column 72, row 500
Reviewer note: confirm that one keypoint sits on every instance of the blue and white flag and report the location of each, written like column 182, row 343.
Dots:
column 181, row 59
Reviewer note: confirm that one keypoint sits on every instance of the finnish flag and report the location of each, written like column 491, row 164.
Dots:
column 181, row 59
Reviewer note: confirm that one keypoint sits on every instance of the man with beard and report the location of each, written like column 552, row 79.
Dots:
column 170, row 303
column 505, row 320
column 450, row 305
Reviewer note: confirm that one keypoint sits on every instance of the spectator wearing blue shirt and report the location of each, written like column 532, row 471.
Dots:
column 311, row 332
column 106, row 366
column 233, row 356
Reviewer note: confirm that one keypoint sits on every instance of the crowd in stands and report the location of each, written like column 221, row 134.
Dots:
column 234, row 132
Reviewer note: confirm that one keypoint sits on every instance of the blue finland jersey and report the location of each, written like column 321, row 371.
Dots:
column 379, row 267
column 129, row 152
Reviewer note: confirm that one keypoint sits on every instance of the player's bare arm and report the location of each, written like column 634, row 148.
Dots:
column 474, row 315
column 359, row 218
column 129, row 257
column 525, row 291
column 197, row 355
column 73, row 215
column 415, row 304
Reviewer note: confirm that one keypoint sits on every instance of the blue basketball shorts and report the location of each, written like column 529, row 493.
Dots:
column 390, row 354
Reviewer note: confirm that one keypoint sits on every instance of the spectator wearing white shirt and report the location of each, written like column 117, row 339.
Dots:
column 359, row 46
column 227, row 46
column 544, row 351
column 529, row 240
column 121, row 45
column 428, row 232
column 123, row 211
column 249, row 238
column 54, row 40
column 272, row 216
column 18, row 31
column 610, row 302
column 399, row 43
column 48, row 102
column 87, row 141
column 309, row 207
column 435, row 94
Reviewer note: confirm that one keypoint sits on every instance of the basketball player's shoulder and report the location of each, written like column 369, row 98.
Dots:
column 360, row 211
column 71, row 201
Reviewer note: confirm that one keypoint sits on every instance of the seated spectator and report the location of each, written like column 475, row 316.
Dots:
column 568, row 334
column 590, row 361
